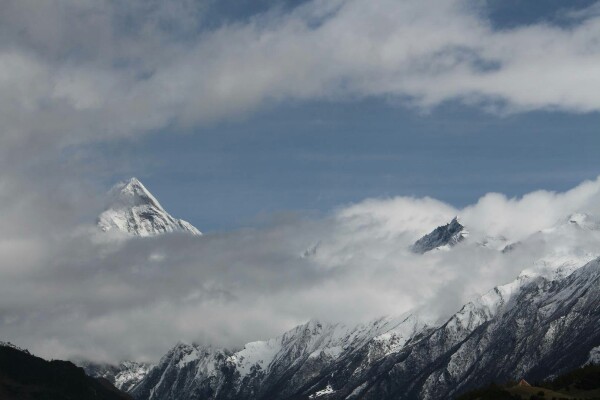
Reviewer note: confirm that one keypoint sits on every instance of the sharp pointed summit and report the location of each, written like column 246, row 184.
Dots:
column 135, row 211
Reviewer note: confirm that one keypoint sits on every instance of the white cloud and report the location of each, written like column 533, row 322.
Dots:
column 84, row 294
column 516, row 218
column 92, row 70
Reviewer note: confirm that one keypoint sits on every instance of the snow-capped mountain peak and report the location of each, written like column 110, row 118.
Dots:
column 132, row 193
column 135, row 211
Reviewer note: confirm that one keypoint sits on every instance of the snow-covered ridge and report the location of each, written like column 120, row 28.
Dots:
column 135, row 211
column 304, row 350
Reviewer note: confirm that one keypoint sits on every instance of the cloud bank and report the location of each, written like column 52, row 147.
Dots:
column 89, row 294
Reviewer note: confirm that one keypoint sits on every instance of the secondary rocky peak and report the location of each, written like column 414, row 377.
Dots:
column 441, row 237
column 135, row 211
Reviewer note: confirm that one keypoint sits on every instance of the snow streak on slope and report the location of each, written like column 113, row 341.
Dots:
column 135, row 211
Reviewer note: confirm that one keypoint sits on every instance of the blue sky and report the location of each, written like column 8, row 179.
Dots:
column 511, row 13
column 315, row 157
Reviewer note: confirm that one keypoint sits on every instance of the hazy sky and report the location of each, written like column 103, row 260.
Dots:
column 355, row 126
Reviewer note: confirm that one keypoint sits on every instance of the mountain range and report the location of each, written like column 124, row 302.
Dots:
column 543, row 323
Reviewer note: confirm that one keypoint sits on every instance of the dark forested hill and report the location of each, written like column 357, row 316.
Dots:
column 581, row 383
column 26, row 377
